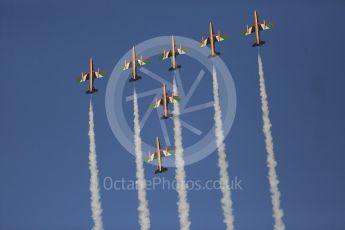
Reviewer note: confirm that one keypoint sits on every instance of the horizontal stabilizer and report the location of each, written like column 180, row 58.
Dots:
column 137, row 78
column 215, row 55
column 167, row 117
column 91, row 92
column 260, row 43
column 177, row 67
column 162, row 170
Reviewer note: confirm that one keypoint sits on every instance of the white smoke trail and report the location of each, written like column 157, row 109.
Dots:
column 222, row 163
column 144, row 213
column 271, row 162
column 96, row 207
column 180, row 176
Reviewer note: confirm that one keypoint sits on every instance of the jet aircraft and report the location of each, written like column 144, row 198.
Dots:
column 90, row 76
column 164, row 101
column 212, row 39
column 158, row 154
column 173, row 53
column 256, row 28
column 133, row 64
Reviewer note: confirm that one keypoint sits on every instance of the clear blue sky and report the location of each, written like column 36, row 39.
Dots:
column 44, row 45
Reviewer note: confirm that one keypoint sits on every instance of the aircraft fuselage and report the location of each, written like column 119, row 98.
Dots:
column 256, row 26
column 213, row 52
column 159, row 159
column 91, row 85
column 134, row 65
column 173, row 54
column 91, row 76
column 165, row 102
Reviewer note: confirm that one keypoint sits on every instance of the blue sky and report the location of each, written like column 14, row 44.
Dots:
column 44, row 45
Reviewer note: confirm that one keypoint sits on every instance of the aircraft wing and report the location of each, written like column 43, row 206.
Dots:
column 142, row 61
column 167, row 152
column 166, row 54
column 150, row 157
column 156, row 104
column 126, row 65
column 265, row 26
column 83, row 77
column 173, row 99
column 204, row 42
column 262, row 26
column 219, row 37
column 164, row 153
column 248, row 31
column 181, row 50
column 99, row 73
